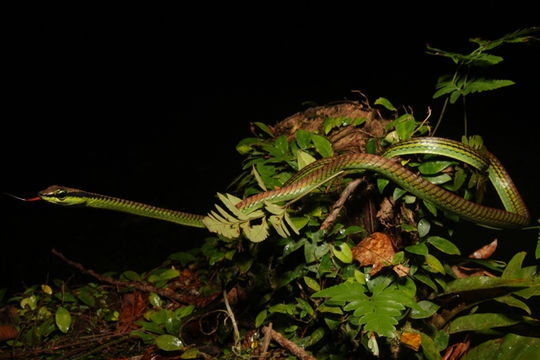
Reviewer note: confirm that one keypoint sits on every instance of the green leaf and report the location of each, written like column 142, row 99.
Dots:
column 282, row 145
column 169, row 343
column 303, row 138
column 513, row 269
column 427, row 308
column 63, row 319
column 483, row 282
column 418, row 249
column 343, row 252
column 303, row 159
column 260, row 318
column 154, row 300
column 480, row 85
column 510, row 347
column 371, row 146
column 434, row 264
column 386, row 103
column 423, row 227
column 429, row 348
column 405, row 126
column 381, row 184
column 514, row 302
column 443, row 245
column 476, row 322
column 311, row 283
column 264, row 128
column 347, row 291
column 322, row 145
column 192, row 353
column 434, row 167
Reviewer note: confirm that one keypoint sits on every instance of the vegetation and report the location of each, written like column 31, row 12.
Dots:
column 358, row 268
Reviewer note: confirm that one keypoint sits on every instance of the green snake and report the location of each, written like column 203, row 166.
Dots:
column 310, row 177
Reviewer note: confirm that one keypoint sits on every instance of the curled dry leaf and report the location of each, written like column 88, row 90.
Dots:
column 485, row 251
column 377, row 250
column 133, row 307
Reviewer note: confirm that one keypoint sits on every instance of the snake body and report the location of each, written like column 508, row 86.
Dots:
column 515, row 214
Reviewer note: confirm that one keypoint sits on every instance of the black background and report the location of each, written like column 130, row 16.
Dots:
column 149, row 105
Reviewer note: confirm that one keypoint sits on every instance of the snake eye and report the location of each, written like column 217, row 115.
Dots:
column 60, row 194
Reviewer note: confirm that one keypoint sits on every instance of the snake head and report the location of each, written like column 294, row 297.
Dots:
column 62, row 195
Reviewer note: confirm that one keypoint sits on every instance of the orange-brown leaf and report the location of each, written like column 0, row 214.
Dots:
column 8, row 332
column 411, row 340
column 377, row 250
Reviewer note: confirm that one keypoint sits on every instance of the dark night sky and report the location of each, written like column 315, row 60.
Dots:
column 150, row 108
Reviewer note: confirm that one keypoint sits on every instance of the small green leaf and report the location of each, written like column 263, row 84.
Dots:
column 418, row 249
column 429, row 348
column 260, row 318
column 386, row 103
column 443, row 245
column 190, row 354
column 405, row 126
column 427, row 308
column 513, row 268
column 282, row 145
column 434, row 167
column 311, row 283
column 434, row 264
column 264, row 128
column 423, row 227
column 303, row 138
column 381, row 184
column 303, row 159
column 371, row 146
column 343, row 252
column 322, row 145
column 154, row 300
column 63, row 319
column 169, row 343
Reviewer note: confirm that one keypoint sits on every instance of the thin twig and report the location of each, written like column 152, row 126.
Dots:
column 266, row 342
column 233, row 320
column 137, row 285
column 338, row 205
column 288, row 344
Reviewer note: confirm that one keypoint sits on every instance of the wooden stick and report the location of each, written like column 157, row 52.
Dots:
column 288, row 344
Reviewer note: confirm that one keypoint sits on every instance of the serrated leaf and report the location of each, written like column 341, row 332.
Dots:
column 63, row 319
column 258, row 178
column 255, row 233
column 480, row 85
column 169, row 343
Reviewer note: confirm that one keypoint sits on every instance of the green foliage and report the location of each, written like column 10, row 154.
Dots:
column 464, row 80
